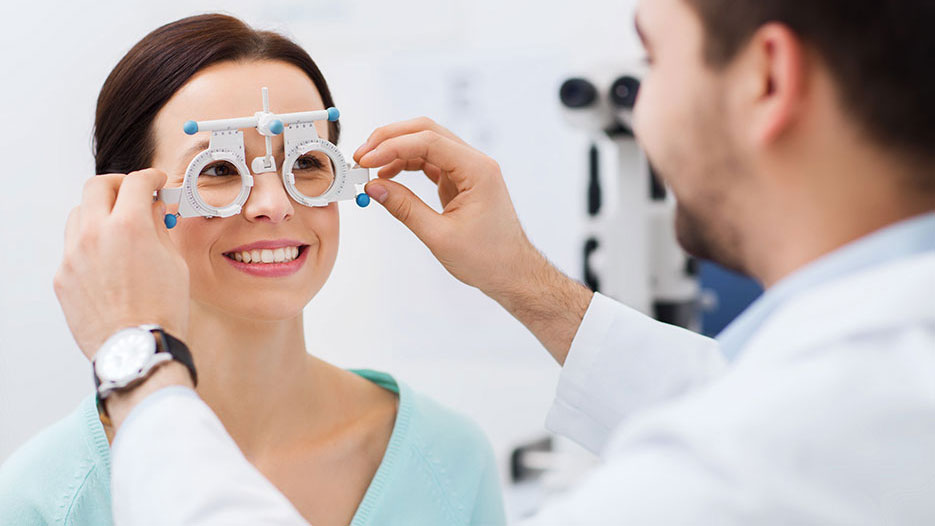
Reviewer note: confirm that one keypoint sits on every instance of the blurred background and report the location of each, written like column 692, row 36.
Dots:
column 489, row 70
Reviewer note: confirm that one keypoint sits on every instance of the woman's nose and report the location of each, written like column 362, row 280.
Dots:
column 268, row 200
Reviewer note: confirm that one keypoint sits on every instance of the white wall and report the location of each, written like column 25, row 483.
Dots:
column 488, row 69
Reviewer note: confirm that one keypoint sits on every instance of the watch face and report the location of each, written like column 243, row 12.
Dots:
column 124, row 354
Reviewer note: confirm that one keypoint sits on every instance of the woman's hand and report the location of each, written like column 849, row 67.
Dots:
column 120, row 269
column 477, row 237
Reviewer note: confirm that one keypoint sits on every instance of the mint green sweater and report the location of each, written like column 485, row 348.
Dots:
column 438, row 469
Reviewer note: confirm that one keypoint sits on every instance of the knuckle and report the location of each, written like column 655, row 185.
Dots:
column 61, row 278
column 87, row 238
column 402, row 210
column 491, row 164
column 70, row 221
column 428, row 136
column 109, row 178
column 87, row 242
column 425, row 122
column 106, row 180
column 125, row 223
column 154, row 173
column 93, row 182
column 377, row 135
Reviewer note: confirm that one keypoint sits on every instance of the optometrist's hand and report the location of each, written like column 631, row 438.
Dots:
column 477, row 237
column 119, row 268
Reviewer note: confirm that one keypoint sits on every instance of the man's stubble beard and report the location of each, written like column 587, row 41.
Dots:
column 708, row 238
column 708, row 221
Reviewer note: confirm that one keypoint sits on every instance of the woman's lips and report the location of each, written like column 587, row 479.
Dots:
column 271, row 270
column 267, row 244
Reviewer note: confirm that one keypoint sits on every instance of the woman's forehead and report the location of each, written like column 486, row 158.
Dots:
column 233, row 89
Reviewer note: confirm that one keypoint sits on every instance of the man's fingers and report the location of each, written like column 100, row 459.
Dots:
column 447, row 155
column 159, row 217
column 403, row 128
column 394, row 168
column 135, row 198
column 446, row 191
column 71, row 229
column 99, row 196
column 405, row 206
column 432, row 172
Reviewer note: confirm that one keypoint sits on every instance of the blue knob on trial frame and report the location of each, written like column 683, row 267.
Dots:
column 190, row 127
column 276, row 126
column 171, row 220
column 363, row 200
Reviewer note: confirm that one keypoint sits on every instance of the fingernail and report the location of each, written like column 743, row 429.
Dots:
column 377, row 191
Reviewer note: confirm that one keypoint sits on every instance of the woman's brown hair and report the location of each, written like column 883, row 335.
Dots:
column 161, row 63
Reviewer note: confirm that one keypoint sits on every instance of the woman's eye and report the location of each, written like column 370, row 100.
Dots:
column 307, row 163
column 221, row 169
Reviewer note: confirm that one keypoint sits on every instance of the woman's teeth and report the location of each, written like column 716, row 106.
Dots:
column 266, row 255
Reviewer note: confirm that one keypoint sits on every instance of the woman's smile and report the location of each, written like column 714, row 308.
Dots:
column 275, row 258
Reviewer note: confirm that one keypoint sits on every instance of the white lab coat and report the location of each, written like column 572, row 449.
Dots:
column 828, row 417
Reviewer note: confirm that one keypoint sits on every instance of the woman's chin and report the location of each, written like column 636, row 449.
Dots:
column 263, row 308
column 271, row 314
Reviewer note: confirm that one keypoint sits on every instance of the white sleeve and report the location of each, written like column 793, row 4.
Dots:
column 659, row 485
column 174, row 463
column 621, row 362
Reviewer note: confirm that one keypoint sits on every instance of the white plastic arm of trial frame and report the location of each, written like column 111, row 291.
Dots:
column 238, row 123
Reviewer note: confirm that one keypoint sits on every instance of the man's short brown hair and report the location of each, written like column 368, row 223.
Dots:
column 880, row 52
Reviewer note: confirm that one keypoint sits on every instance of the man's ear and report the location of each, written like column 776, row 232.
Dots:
column 774, row 81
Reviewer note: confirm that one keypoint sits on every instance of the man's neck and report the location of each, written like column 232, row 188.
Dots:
column 817, row 223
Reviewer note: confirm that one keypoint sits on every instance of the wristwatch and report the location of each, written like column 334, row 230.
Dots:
column 131, row 355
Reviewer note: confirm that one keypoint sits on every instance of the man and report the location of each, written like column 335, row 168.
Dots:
column 798, row 138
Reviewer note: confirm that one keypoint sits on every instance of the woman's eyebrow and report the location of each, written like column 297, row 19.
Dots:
column 195, row 148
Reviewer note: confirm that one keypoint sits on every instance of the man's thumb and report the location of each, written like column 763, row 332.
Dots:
column 406, row 207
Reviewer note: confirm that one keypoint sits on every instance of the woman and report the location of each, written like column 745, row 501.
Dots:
column 344, row 447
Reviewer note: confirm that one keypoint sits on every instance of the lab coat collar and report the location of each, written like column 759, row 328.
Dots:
column 893, row 243
column 887, row 297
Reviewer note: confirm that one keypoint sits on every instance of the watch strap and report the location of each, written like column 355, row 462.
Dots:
column 165, row 342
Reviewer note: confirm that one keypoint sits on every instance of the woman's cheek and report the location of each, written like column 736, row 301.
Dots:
column 192, row 238
column 324, row 223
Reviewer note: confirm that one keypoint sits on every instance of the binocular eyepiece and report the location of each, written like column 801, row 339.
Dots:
column 623, row 92
column 579, row 92
column 602, row 103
